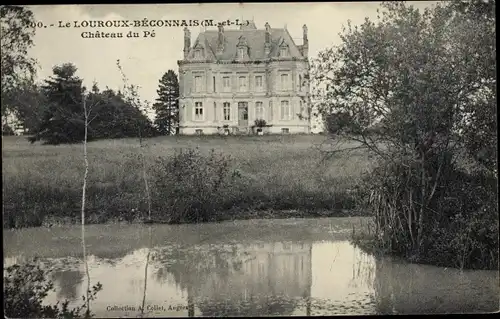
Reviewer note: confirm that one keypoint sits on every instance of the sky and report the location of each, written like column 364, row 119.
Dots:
column 145, row 59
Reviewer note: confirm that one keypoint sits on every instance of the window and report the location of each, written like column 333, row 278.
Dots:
column 243, row 107
column 226, row 84
column 198, row 84
column 241, row 53
column 285, row 110
column 199, row 132
column 261, row 269
column 270, row 110
column 259, row 111
column 198, row 54
column 227, row 111
column 214, row 84
column 284, row 81
column 198, row 111
column 283, row 52
column 215, row 111
column 258, row 82
column 285, row 131
column 243, row 83
column 300, row 82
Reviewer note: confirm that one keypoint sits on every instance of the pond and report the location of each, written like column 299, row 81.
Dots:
column 243, row 268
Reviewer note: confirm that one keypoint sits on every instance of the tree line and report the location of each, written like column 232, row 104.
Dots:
column 52, row 111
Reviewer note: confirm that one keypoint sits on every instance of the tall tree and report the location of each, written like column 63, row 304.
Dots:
column 114, row 117
column 426, row 80
column 30, row 105
column 167, row 104
column 63, row 120
column 16, row 33
column 473, row 29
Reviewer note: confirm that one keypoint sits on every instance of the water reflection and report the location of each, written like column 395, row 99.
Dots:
column 239, row 279
column 67, row 281
column 411, row 289
column 265, row 276
column 143, row 306
column 85, row 261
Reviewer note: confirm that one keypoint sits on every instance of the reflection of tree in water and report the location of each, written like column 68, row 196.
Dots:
column 363, row 269
column 67, row 282
column 111, row 257
column 382, row 290
column 66, row 275
column 404, row 288
column 232, row 280
column 191, row 265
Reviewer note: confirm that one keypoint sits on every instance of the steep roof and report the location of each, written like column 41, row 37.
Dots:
column 255, row 39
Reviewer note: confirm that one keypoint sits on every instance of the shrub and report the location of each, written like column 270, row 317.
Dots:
column 336, row 122
column 190, row 187
column 7, row 130
column 25, row 287
column 468, row 237
column 459, row 225
column 260, row 123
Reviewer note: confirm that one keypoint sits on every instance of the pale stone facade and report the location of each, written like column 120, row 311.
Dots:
column 11, row 120
column 266, row 269
column 228, row 79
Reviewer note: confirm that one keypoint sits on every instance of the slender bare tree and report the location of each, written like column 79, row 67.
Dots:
column 132, row 97
column 146, row 271
column 87, row 110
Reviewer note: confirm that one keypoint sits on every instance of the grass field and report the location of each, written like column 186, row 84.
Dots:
column 280, row 172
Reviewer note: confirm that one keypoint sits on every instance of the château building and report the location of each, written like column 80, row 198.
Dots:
column 228, row 79
column 255, row 278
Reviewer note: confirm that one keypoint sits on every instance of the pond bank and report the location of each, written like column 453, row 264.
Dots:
column 368, row 243
column 141, row 218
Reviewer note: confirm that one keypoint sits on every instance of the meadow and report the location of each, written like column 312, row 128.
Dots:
column 279, row 176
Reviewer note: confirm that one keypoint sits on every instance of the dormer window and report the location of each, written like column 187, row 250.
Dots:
column 198, row 54
column 283, row 51
column 241, row 53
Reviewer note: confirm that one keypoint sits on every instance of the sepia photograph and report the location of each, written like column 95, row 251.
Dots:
column 249, row 159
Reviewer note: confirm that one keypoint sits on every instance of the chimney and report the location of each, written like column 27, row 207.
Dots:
column 220, row 40
column 267, row 45
column 305, row 44
column 187, row 42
